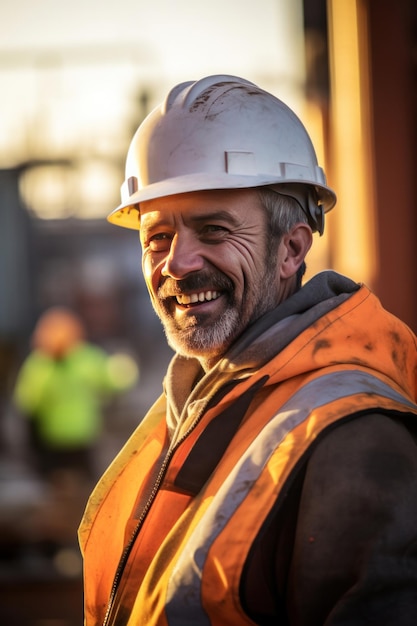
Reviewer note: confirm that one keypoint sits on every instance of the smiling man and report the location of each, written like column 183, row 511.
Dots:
column 206, row 261
column 274, row 480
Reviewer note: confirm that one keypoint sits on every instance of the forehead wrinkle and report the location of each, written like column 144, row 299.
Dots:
column 152, row 220
column 219, row 215
column 158, row 217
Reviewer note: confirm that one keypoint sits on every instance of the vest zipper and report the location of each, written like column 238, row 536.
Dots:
column 141, row 520
column 158, row 481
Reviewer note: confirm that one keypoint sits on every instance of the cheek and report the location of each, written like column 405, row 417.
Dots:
column 151, row 273
column 146, row 268
column 245, row 261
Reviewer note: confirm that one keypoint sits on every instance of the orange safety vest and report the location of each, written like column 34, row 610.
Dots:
column 185, row 518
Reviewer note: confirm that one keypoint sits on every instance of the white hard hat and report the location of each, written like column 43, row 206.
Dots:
column 221, row 132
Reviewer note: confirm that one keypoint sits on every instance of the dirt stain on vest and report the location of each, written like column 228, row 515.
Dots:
column 321, row 344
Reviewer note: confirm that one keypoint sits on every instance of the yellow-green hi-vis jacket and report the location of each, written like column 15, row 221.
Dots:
column 264, row 493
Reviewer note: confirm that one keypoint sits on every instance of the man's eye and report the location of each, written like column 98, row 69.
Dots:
column 159, row 242
column 214, row 230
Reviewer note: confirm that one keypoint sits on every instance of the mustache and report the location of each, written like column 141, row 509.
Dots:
column 203, row 281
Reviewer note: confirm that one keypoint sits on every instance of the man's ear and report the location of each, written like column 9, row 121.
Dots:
column 296, row 243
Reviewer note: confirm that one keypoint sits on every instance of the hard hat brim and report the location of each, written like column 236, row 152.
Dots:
column 127, row 213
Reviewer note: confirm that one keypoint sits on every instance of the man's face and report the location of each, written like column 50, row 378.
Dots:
column 206, row 267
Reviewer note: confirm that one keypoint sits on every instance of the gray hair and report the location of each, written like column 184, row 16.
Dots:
column 283, row 212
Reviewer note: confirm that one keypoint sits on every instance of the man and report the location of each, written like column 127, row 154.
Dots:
column 274, row 481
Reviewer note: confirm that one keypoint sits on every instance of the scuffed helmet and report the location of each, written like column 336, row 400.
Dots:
column 222, row 132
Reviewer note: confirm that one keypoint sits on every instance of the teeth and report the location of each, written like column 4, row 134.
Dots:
column 204, row 296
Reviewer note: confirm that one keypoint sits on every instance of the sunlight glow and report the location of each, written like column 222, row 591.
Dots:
column 76, row 81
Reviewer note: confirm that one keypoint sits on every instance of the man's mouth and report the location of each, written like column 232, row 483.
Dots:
column 198, row 297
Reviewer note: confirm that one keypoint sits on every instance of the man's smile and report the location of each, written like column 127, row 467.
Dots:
column 194, row 298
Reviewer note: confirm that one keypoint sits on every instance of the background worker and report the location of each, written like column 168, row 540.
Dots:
column 274, row 480
column 61, row 390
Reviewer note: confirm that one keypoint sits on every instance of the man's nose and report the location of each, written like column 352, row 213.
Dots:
column 184, row 256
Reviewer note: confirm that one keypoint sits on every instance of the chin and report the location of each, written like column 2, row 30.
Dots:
column 198, row 349
column 207, row 340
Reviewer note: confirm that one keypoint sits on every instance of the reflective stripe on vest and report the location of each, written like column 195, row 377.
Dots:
column 184, row 587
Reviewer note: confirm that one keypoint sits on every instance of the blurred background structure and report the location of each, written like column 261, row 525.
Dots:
column 76, row 79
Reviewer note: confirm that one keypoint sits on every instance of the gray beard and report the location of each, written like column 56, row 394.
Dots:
column 209, row 341
column 200, row 341
column 213, row 340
